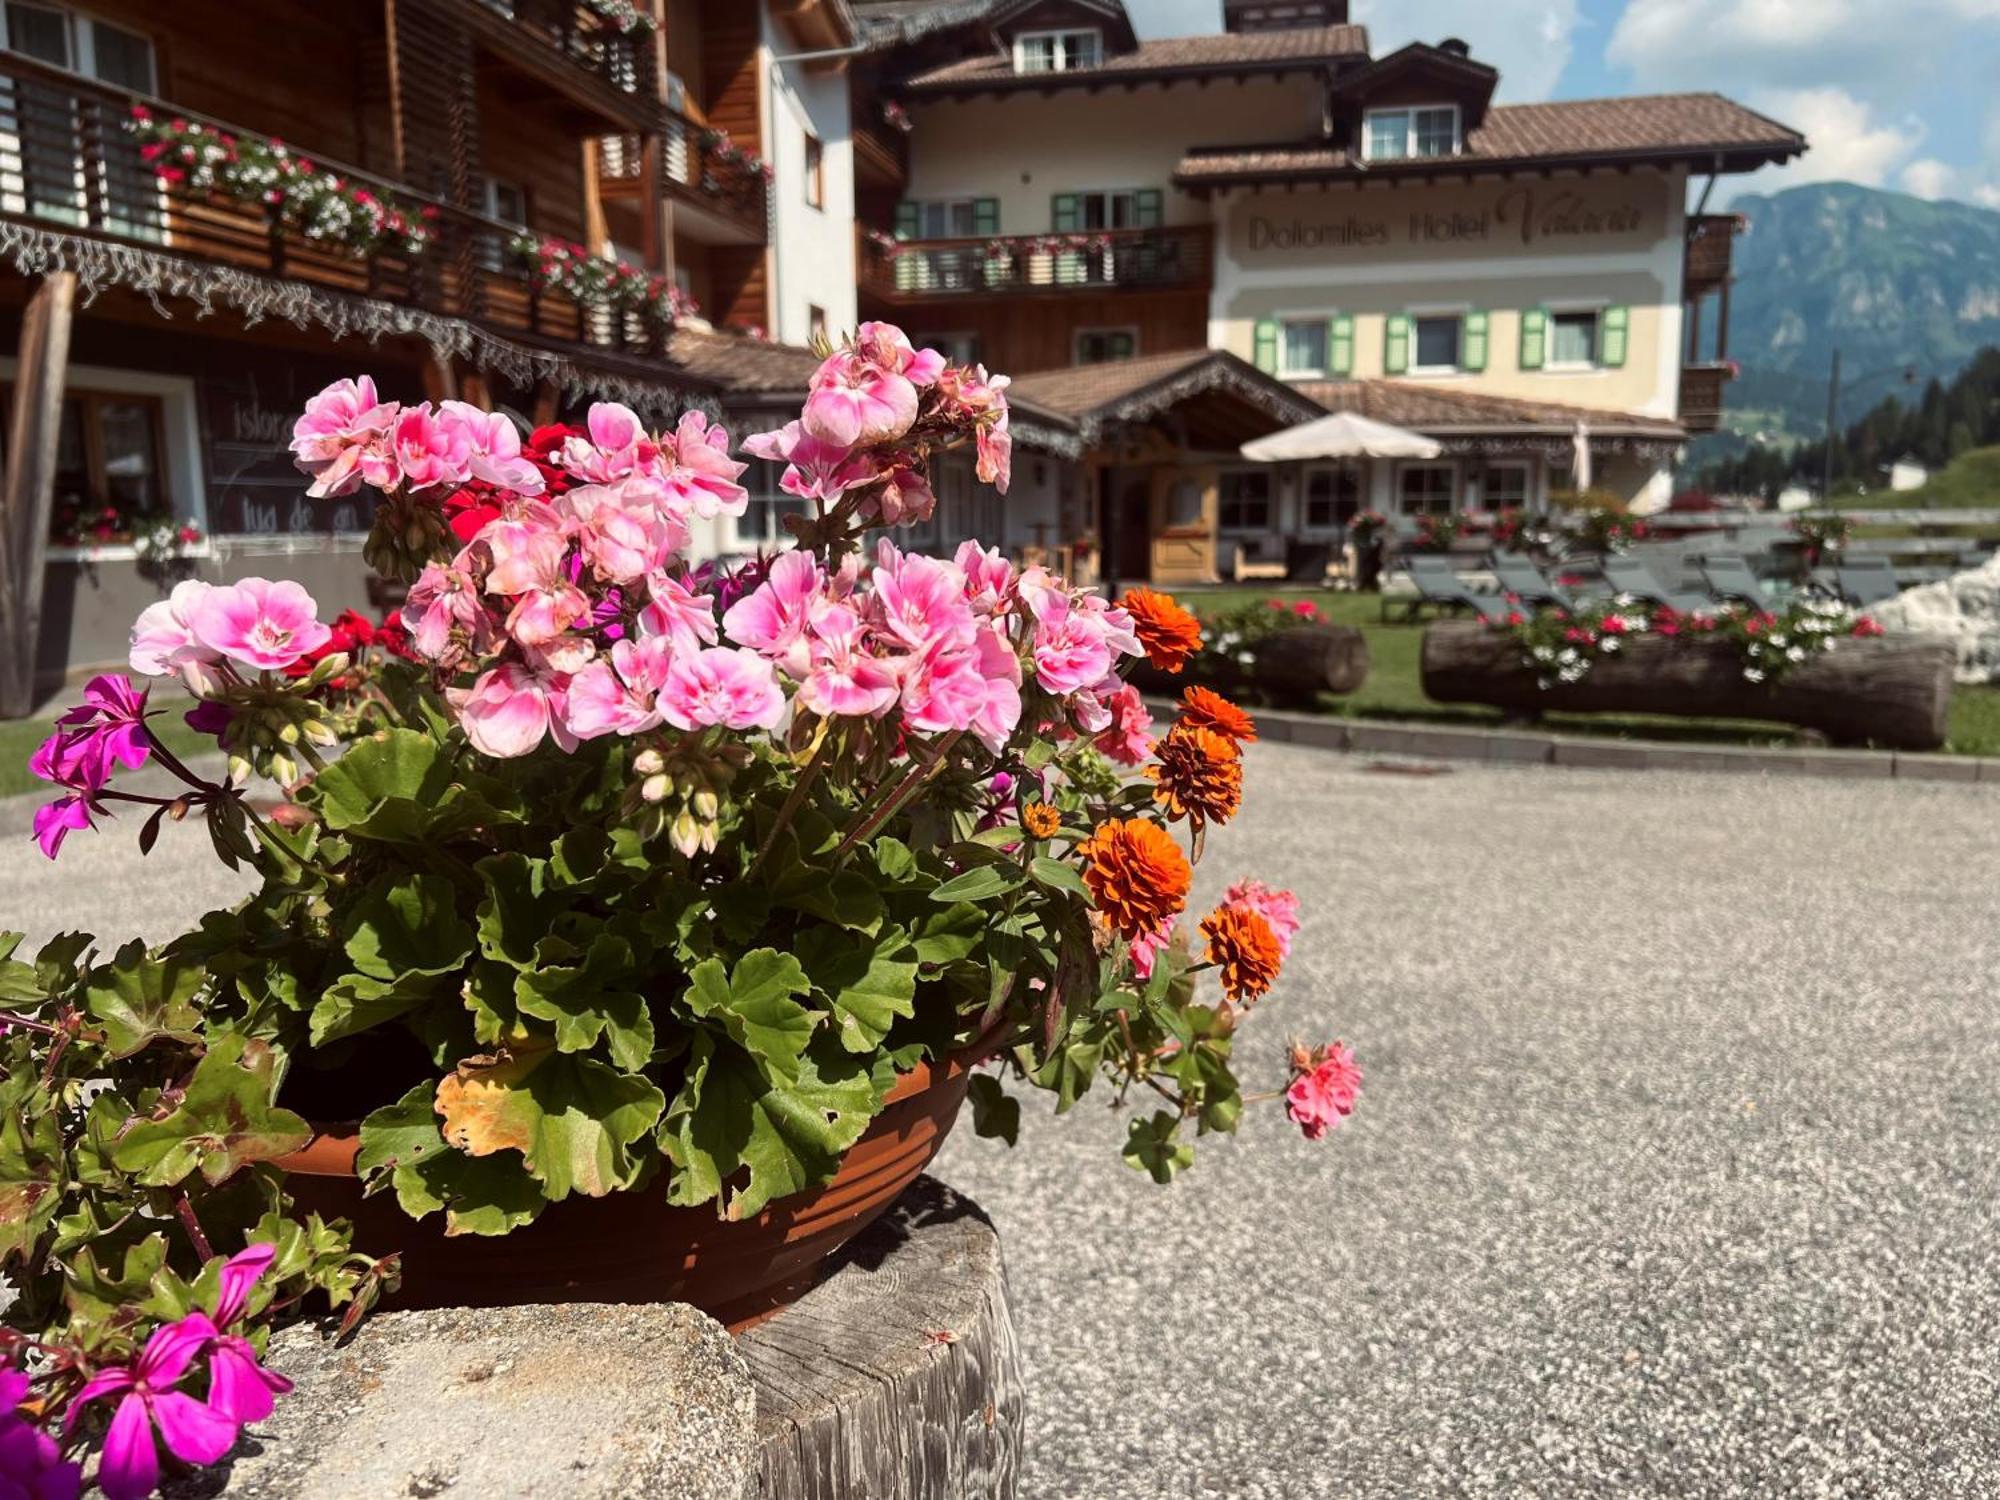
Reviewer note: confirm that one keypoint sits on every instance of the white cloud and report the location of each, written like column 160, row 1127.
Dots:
column 1927, row 177
column 1848, row 143
column 1529, row 41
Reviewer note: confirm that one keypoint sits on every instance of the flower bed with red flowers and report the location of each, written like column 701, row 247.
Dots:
column 598, row 281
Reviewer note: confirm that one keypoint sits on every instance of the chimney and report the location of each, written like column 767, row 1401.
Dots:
column 1455, row 46
column 1282, row 15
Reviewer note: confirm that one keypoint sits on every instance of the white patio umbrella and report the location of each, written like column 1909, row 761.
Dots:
column 1580, row 457
column 1344, row 434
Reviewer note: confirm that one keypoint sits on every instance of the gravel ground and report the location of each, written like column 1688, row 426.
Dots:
column 1673, row 1173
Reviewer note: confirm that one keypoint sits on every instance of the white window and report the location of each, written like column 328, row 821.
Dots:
column 1573, row 340
column 506, row 201
column 1096, row 346
column 1057, row 51
column 947, row 218
column 1504, row 487
column 1245, row 500
column 815, row 172
column 1109, row 210
column 1437, row 343
column 761, row 527
column 1302, row 350
column 1400, row 134
column 50, row 175
column 1427, row 489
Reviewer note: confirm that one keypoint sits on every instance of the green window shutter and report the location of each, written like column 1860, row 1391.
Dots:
column 1340, row 346
column 909, row 221
column 986, row 216
column 1534, row 338
column 1066, row 213
column 1264, row 351
column 1149, row 206
column 1472, row 358
column 1615, row 336
column 1396, row 346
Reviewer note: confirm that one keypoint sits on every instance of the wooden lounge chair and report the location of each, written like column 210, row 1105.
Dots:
column 1439, row 585
column 1627, row 575
column 1520, row 577
column 1728, row 576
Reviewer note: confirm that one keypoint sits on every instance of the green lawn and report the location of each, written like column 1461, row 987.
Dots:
column 1394, row 688
column 19, row 738
column 1970, row 482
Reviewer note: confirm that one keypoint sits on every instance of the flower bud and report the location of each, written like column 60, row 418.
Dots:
column 239, row 770
column 654, row 789
column 649, row 762
column 686, row 835
column 706, row 804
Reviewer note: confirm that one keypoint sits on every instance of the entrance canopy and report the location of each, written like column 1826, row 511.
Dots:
column 1345, row 434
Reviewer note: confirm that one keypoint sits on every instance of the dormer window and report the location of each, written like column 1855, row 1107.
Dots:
column 1399, row 134
column 1057, row 51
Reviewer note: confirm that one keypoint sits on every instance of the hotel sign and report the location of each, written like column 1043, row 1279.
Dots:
column 1543, row 217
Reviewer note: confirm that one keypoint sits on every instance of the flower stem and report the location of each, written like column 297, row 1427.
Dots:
column 185, row 1210
column 888, row 806
column 794, row 801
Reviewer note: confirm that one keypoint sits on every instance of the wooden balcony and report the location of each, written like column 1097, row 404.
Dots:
column 881, row 150
column 568, row 46
column 1711, row 240
column 1703, row 391
column 1152, row 260
column 68, row 161
column 726, row 201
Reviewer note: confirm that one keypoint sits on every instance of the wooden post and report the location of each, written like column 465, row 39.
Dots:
column 33, row 434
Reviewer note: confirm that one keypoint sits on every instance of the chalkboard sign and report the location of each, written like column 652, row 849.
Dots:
column 254, row 488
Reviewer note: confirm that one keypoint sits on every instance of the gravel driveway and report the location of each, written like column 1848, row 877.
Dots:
column 1673, row 1174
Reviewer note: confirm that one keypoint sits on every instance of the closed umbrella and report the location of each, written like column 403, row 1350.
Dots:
column 1344, row 434
column 1580, row 457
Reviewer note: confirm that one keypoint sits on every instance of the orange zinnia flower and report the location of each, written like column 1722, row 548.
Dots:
column 1136, row 873
column 1041, row 820
column 1202, row 709
column 1242, row 944
column 1169, row 633
column 1198, row 775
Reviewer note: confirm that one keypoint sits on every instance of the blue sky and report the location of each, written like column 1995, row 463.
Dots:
column 1892, row 93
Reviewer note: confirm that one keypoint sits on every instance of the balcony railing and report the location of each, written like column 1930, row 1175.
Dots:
column 1703, row 392
column 1710, row 252
column 698, row 169
column 68, row 159
column 1174, row 259
column 580, row 36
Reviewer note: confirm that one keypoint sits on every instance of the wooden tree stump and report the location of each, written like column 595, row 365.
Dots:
column 897, row 1377
column 1885, row 690
column 1289, row 668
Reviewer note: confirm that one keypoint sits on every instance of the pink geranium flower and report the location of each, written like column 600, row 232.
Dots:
column 886, row 345
column 616, row 696
column 773, row 618
column 193, row 1432
column 854, row 400
column 622, row 541
column 1279, row 909
column 493, row 448
column 989, row 577
column 1147, row 946
column 1326, row 1083
column 1071, row 650
column 164, row 642
column 842, row 678
column 510, row 709
column 612, row 449
column 815, row 470
column 736, row 689
column 1129, row 740
column 342, row 438
column 443, row 599
column 678, row 613
column 531, row 567
column 259, row 623
column 432, row 448
column 919, row 603
column 697, row 472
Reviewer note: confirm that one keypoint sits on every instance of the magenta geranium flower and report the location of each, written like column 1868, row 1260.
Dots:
column 31, row 1462
column 74, row 761
column 113, row 714
column 259, row 623
column 239, row 1387
column 193, row 1432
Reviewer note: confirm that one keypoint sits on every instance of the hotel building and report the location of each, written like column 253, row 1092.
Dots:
column 1520, row 282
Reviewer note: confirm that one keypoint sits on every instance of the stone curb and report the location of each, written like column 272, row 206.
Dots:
column 1532, row 748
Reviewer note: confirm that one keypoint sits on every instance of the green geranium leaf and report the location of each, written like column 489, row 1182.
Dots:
column 754, row 1004
column 518, row 909
column 225, row 1120
column 590, row 999
column 388, row 786
column 21, row 987
column 846, row 899
column 401, row 1144
column 730, row 1119
column 1058, row 876
column 1070, row 1070
column 404, row 924
column 995, row 1113
column 893, row 858
column 945, row 937
column 94, row 1293
column 56, row 964
column 1154, row 1146
column 356, row 1003
column 572, row 1119
column 31, row 1164
column 869, row 982
column 139, row 1000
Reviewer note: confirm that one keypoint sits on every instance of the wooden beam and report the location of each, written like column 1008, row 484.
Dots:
column 33, row 436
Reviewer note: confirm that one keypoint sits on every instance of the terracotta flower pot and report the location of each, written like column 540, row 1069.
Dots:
column 635, row 1247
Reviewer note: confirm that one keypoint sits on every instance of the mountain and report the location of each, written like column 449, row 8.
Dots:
column 1892, row 281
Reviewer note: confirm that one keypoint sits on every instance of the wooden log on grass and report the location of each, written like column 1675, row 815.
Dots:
column 1292, row 666
column 1892, row 691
